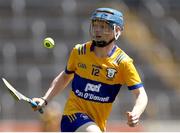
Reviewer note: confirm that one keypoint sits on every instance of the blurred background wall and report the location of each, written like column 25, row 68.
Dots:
column 151, row 37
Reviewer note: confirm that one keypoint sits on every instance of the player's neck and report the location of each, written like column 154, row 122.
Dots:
column 103, row 52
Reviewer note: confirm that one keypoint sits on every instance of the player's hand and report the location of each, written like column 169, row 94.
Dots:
column 133, row 119
column 40, row 102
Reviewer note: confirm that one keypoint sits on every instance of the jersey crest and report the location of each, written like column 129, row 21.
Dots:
column 111, row 73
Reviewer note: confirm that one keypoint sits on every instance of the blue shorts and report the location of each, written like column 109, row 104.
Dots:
column 69, row 123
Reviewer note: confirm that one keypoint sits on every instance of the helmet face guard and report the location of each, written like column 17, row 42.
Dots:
column 104, row 21
column 100, row 28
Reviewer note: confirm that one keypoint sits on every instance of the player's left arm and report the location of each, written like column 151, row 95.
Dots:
column 141, row 100
column 135, row 85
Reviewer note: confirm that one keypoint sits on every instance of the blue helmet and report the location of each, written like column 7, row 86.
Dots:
column 110, row 15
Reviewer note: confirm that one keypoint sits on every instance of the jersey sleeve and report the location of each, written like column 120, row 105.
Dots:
column 131, row 76
column 71, row 63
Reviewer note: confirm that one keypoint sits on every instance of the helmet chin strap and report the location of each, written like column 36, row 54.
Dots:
column 102, row 43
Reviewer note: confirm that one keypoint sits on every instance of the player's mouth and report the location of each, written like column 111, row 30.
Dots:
column 98, row 37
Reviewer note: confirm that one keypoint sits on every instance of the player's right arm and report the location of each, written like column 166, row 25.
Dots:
column 57, row 85
column 60, row 82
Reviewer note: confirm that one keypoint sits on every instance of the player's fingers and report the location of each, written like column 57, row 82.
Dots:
column 34, row 108
column 129, row 114
column 132, row 116
column 39, row 102
column 133, row 124
column 135, row 121
column 135, row 117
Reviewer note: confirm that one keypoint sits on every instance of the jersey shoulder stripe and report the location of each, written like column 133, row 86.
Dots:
column 120, row 57
column 81, row 48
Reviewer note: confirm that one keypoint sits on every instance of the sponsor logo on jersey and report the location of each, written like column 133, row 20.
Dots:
column 92, row 97
column 92, row 87
column 111, row 73
column 88, row 93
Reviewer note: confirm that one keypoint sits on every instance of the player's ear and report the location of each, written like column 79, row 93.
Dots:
column 117, row 31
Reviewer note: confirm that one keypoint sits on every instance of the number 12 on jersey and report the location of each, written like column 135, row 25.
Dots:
column 95, row 71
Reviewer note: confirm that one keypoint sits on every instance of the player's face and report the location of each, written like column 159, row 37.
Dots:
column 101, row 31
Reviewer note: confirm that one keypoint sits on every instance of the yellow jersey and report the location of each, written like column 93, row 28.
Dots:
column 97, row 81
